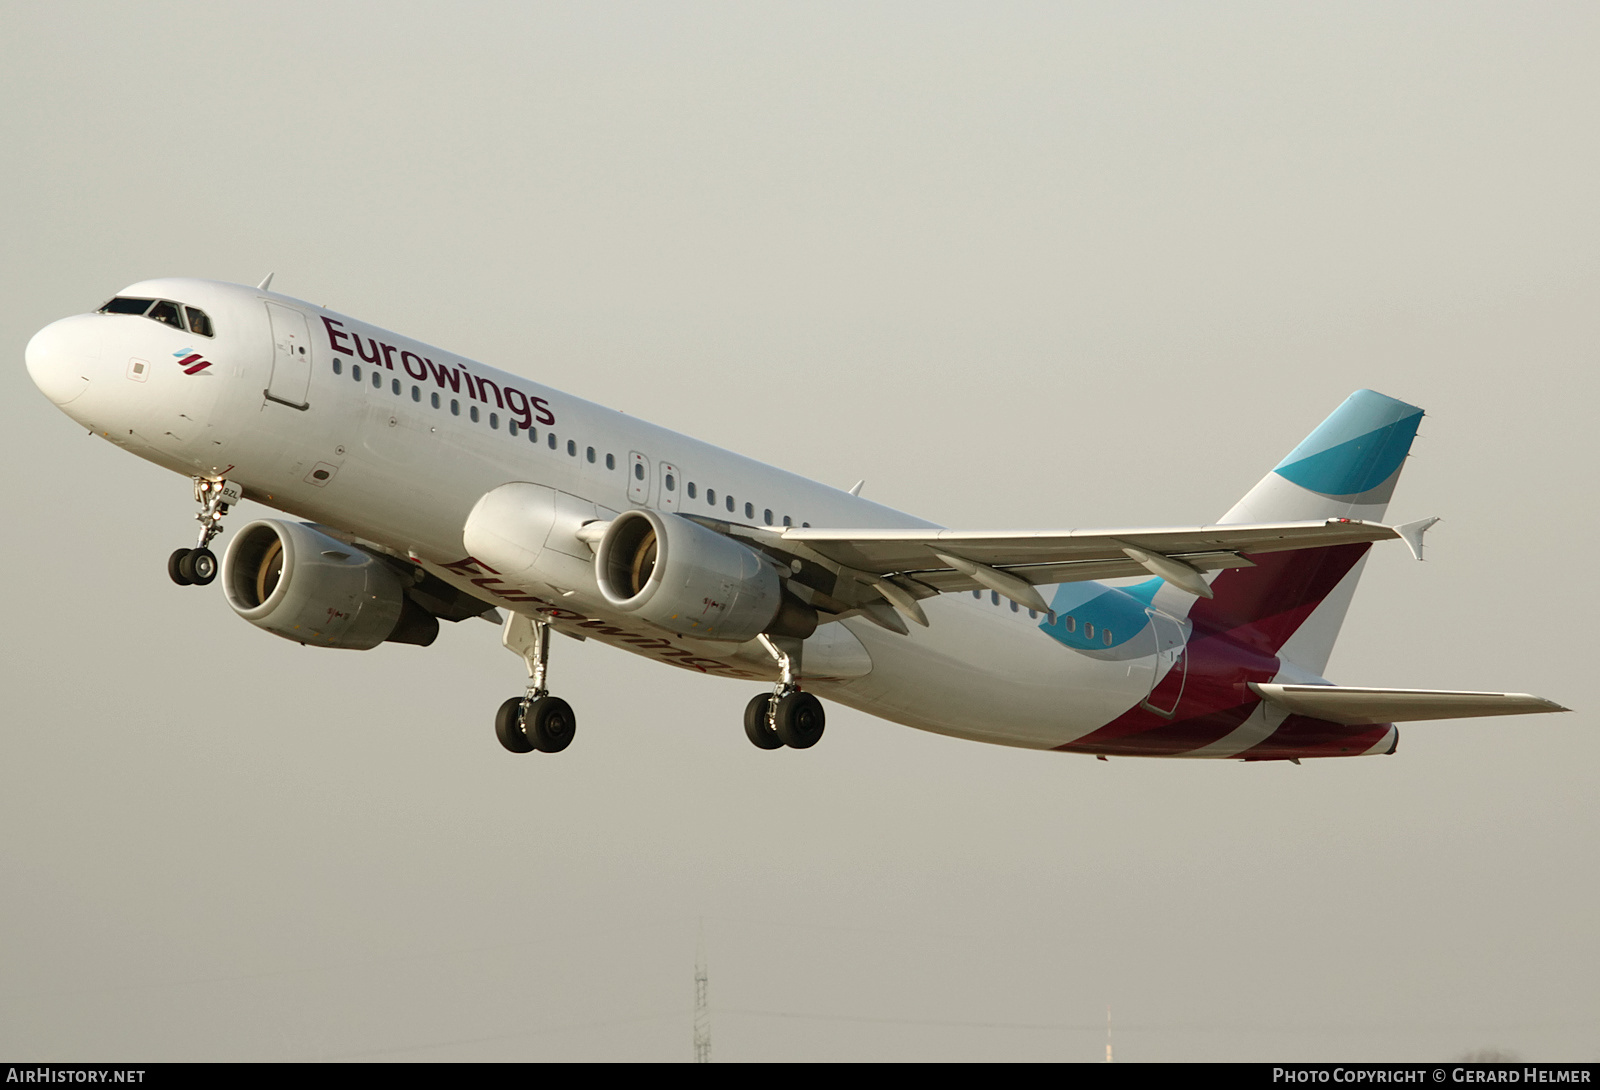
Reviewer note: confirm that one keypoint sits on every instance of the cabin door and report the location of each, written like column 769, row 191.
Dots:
column 291, row 358
column 1171, row 665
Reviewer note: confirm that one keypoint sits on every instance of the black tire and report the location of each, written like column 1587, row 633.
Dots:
column 755, row 723
column 201, row 567
column 800, row 720
column 551, row 725
column 175, row 568
column 508, row 727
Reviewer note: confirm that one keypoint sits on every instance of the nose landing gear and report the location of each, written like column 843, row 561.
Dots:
column 536, row 720
column 198, row 566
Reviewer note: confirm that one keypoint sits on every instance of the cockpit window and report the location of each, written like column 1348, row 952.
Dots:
column 123, row 305
column 164, row 311
column 198, row 322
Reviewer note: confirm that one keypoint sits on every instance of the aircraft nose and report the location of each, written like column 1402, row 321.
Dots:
column 62, row 355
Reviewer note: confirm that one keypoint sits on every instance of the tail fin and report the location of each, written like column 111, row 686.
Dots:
column 1346, row 468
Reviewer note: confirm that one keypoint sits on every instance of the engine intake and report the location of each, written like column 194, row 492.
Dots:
column 677, row 574
column 297, row 582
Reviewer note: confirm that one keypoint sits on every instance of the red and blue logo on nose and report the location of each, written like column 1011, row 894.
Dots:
column 192, row 363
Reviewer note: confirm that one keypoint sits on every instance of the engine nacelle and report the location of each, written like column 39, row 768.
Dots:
column 677, row 574
column 528, row 534
column 297, row 582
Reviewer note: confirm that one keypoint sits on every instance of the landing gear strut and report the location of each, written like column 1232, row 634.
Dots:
column 535, row 720
column 786, row 717
column 198, row 566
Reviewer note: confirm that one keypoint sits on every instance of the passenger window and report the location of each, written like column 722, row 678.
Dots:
column 494, row 421
column 377, row 380
column 711, row 496
column 730, row 503
column 590, row 455
column 198, row 322
column 786, row 521
column 550, row 439
column 435, row 399
column 1106, row 635
column 671, row 484
column 511, row 428
column 691, row 490
column 749, row 510
column 533, row 435
column 766, row 516
column 166, row 313
column 395, row 385
column 473, row 411
column 611, row 463
column 338, row 368
column 978, row 594
column 638, row 471
column 455, row 407
column 1088, row 630
column 416, row 393
column 1014, row 607
column 994, row 597
column 572, row 448
column 355, row 371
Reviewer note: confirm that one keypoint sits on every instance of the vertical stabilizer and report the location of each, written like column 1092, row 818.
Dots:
column 1346, row 468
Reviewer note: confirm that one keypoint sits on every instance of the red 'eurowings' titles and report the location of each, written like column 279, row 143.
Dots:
column 481, row 575
column 525, row 410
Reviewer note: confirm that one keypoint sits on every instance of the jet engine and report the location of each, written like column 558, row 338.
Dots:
column 299, row 583
column 675, row 573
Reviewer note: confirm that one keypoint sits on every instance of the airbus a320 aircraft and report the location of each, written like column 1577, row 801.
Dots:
column 438, row 488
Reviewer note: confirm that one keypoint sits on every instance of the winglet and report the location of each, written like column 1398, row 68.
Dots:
column 1411, row 533
column 267, row 283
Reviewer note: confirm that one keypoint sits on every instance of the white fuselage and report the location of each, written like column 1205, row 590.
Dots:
column 288, row 408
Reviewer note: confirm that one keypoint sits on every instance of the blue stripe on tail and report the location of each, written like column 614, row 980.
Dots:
column 1360, row 446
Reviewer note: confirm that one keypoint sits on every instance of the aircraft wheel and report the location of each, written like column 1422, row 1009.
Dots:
column 552, row 724
column 201, row 567
column 800, row 720
column 755, row 723
column 175, row 565
column 508, row 727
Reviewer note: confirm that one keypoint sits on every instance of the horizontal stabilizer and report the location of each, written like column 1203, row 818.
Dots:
column 1354, row 706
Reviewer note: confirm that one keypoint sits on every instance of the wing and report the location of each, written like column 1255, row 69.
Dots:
column 1355, row 706
column 869, row 571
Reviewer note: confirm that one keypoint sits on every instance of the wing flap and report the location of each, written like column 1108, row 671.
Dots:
column 1354, row 706
column 884, row 551
column 844, row 569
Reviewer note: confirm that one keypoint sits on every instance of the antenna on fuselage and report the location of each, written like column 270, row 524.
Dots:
column 267, row 283
column 855, row 489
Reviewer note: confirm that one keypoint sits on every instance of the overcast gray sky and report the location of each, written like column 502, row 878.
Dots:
column 1014, row 264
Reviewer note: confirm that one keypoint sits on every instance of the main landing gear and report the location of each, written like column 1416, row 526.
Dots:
column 535, row 720
column 787, row 716
column 198, row 566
